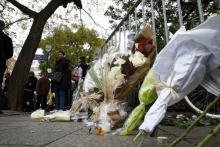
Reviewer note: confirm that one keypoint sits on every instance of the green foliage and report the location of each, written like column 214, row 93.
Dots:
column 77, row 42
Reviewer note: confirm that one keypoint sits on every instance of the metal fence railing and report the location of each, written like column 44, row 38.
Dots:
column 166, row 17
column 131, row 23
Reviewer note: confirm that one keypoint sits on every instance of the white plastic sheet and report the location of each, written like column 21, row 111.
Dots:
column 190, row 57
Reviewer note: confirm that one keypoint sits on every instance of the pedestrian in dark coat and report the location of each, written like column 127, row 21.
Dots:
column 29, row 89
column 6, row 52
column 42, row 90
column 84, row 66
column 62, row 65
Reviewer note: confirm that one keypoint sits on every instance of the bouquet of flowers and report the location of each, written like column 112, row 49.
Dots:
column 122, row 74
column 116, row 75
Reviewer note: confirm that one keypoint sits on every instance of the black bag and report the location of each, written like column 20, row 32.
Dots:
column 57, row 76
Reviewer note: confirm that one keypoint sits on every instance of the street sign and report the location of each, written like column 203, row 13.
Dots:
column 40, row 57
column 48, row 47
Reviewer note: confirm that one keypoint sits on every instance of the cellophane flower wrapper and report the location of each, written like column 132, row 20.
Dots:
column 147, row 95
column 122, row 73
column 58, row 116
column 37, row 115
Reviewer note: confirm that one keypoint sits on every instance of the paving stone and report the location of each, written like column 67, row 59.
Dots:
column 19, row 130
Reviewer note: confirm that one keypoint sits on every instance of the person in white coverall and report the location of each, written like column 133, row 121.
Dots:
column 185, row 62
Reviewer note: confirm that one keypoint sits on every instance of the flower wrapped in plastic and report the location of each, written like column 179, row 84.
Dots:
column 122, row 74
column 58, row 116
column 138, row 63
column 37, row 115
column 116, row 75
column 147, row 95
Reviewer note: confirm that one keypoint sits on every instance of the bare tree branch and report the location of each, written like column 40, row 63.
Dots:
column 93, row 19
column 23, row 8
column 50, row 8
column 3, row 7
column 21, row 19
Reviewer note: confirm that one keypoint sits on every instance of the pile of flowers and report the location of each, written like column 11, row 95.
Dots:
column 121, row 75
column 117, row 74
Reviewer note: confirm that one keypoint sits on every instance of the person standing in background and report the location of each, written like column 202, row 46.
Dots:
column 62, row 66
column 29, row 89
column 84, row 66
column 6, row 52
column 42, row 89
column 5, row 89
column 7, row 76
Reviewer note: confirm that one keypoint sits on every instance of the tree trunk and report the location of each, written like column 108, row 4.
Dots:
column 23, row 64
column 24, row 61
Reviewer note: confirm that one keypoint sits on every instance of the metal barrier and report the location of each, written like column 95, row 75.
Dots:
column 180, row 19
column 126, row 24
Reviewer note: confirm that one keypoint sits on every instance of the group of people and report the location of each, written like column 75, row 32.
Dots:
column 63, row 82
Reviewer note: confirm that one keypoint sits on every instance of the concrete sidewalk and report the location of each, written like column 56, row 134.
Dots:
column 18, row 130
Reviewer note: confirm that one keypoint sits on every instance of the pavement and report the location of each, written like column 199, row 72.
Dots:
column 18, row 130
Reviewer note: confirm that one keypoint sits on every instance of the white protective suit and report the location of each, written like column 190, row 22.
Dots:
column 191, row 57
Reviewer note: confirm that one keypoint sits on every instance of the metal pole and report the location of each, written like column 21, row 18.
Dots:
column 200, row 10
column 115, row 39
column 124, row 29
column 129, row 23
column 106, row 48
column 165, row 22
column 143, row 12
column 112, row 40
column 102, row 51
column 119, row 42
column 46, row 66
column 153, row 22
column 135, row 19
column 180, row 13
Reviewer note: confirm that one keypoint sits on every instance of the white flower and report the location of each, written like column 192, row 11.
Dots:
column 137, row 59
column 115, row 76
column 194, row 116
column 119, row 61
column 180, row 116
